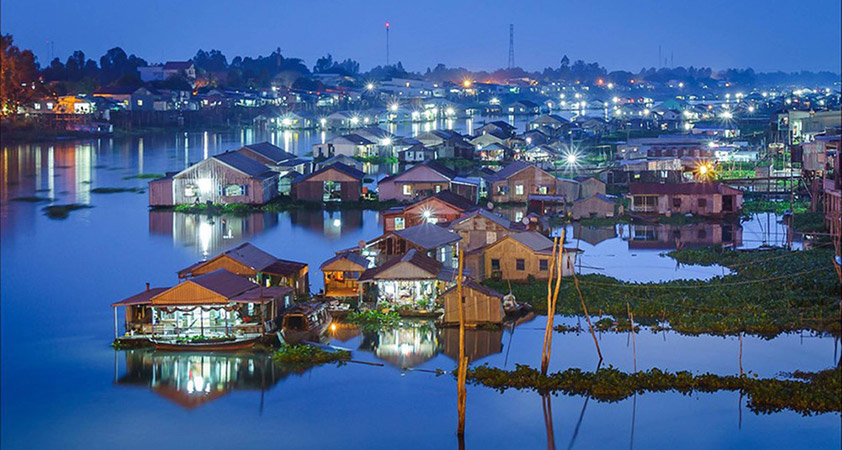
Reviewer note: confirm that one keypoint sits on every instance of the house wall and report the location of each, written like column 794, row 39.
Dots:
column 531, row 178
column 592, row 206
column 413, row 215
column 224, row 262
column 160, row 192
column 508, row 251
column 590, row 187
column 312, row 187
column 479, row 308
column 258, row 191
column 479, row 232
column 689, row 204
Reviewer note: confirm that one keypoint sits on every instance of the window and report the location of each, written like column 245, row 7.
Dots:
column 139, row 102
column 37, row 106
column 331, row 191
column 676, row 202
column 407, row 189
column 518, row 189
column 502, row 190
column 233, row 190
column 190, row 190
column 703, row 202
column 495, row 264
column 438, row 188
column 518, row 216
column 520, row 264
column 400, row 224
column 490, row 237
column 542, row 190
column 543, row 264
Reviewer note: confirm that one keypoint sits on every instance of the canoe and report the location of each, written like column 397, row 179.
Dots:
column 172, row 346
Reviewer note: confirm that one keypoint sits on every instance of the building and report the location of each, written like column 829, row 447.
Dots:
column 590, row 186
column 347, row 160
column 695, row 235
column 499, row 128
column 348, row 145
column 423, row 180
column 516, row 181
column 215, row 304
column 494, row 152
column 431, row 240
column 482, row 227
column 416, row 154
column 597, row 205
column 250, row 262
column 170, row 69
column 483, row 306
column 703, row 199
column 518, row 256
column 342, row 274
column 647, row 170
column 275, row 157
column 443, row 207
column 551, row 125
column 229, row 177
column 410, row 279
column 334, row 183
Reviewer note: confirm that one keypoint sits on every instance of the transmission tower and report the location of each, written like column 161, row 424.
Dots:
column 511, row 64
column 387, row 43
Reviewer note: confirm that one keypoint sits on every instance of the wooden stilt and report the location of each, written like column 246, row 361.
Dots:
column 550, row 312
column 545, row 363
column 587, row 316
column 461, row 392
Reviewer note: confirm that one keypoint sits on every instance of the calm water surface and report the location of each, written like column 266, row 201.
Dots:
column 64, row 387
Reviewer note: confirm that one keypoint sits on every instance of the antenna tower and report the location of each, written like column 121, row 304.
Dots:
column 511, row 64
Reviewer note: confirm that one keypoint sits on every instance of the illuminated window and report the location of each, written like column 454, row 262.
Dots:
column 190, row 190
column 542, row 190
column 407, row 189
column 233, row 190
column 139, row 102
column 518, row 216
column 490, row 237
column 400, row 224
column 438, row 189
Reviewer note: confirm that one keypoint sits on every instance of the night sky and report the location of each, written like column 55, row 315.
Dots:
column 619, row 34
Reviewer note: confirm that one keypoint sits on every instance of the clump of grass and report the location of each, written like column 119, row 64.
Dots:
column 562, row 328
column 63, row 211
column 115, row 190
column 308, row 356
column 373, row 319
column 32, row 199
column 143, row 176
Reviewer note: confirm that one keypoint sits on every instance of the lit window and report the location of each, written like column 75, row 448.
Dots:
column 139, row 102
column 407, row 189
column 518, row 216
column 189, row 190
column 438, row 189
column 233, row 190
column 399, row 223
column 518, row 189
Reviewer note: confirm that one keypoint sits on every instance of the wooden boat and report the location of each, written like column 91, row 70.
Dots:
column 212, row 346
column 305, row 321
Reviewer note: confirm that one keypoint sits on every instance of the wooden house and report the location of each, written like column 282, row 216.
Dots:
column 494, row 152
column 253, row 263
column 597, row 205
column 499, row 128
column 443, row 207
column 334, row 183
column 416, row 154
column 482, row 227
column 590, row 186
column 483, row 306
column 423, row 180
column 408, row 279
column 229, row 177
column 703, row 199
column 520, row 255
column 515, row 182
column 216, row 303
column 342, row 273
column 666, row 237
column 478, row 343
column 348, row 145
column 551, row 125
column 431, row 240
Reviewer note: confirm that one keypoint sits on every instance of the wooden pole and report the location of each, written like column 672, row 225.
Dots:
column 115, row 322
column 549, row 302
column 587, row 316
column 634, row 346
column 545, row 363
column 461, row 393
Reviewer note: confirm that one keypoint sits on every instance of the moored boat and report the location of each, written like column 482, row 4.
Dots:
column 209, row 345
column 305, row 321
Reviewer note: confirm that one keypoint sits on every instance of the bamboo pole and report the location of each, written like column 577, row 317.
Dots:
column 549, row 301
column 545, row 362
column 587, row 315
column 634, row 345
column 461, row 393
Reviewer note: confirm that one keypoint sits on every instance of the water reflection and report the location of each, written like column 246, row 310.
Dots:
column 209, row 235
column 331, row 224
column 663, row 236
column 192, row 380
column 416, row 342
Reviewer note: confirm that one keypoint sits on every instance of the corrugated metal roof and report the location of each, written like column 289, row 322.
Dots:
column 244, row 164
column 352, row 257
column 224, row 283
column 142, row 298
column 413, row 257
column 533, row 239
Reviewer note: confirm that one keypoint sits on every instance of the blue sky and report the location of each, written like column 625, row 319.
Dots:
column 620, row 34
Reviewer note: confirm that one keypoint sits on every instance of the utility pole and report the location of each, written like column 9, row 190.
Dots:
column 511, row 64
column 387, row 43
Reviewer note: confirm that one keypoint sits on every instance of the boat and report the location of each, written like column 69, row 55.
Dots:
column 514, row 308
column 305, row 321
column 207, row 346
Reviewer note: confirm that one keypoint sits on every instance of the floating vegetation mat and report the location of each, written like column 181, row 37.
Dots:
column 301, row 356
column 115, row 190
column 143, row 176
column 815, row 393
column 63, row 211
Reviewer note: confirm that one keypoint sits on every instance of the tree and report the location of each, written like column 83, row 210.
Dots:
column 213, row 61
column 19, row 78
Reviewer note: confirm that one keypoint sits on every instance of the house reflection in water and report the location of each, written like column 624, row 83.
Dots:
column 331, row 224
column 209, row 235
column 191, row 380
column 593, row 235
column 415, row 342
column 662, row 236
column 406, row 346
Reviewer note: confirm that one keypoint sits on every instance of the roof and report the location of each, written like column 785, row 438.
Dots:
column 532, row 239
column 601, row 197
column 473, row 285
column 269, row 151
column 413, row 257
column 244, row 164
column 454, row 199
column 428, row 235
column 224, row 283
column 356, row 139
column 500, row 124
column 263, row 295
column 509, row 170
column 178, row 65
column 339, row 167
column 255, row 258
column 355, row 258
column 680, row 189
column 142, row 298
column 494, row 217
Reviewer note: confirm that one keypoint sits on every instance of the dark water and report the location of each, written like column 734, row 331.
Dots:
column 64, row 387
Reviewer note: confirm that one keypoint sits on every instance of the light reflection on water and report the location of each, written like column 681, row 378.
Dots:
column 59, row 276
